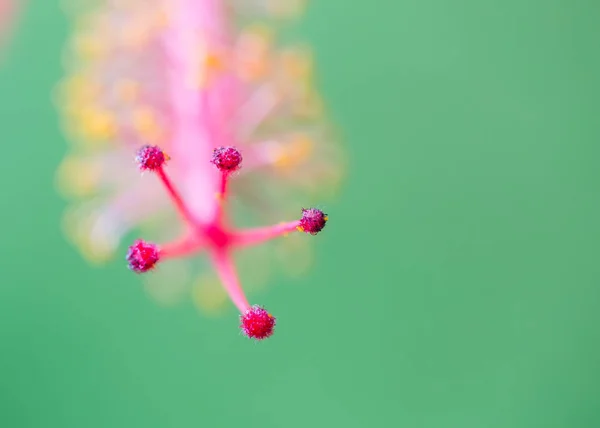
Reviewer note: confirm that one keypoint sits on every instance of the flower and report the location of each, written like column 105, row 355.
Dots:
column 8, row 12
column 207, row 85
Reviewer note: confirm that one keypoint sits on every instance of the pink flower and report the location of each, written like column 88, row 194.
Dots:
column 8, row 12
column 203, row 99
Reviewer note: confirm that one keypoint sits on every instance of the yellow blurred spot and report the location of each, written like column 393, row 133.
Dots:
column 206, row 64
column 307, row 103
column 213, row 61
column 295, row 83
column 170, row 283
column 294, row 255
column 89, row 47
column 97, row 124
column 295, row 152
column 296, row 65
column 145, row 123
column 127, row 90
column 77, row 225
column 211, row 65
column 77, row 89
column 78, row 177
column 253, row 53
column 162, row 19
column 136, row 36
column 208, row 294
column 285, row 9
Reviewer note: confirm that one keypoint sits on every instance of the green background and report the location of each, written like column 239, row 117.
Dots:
column 457, row 284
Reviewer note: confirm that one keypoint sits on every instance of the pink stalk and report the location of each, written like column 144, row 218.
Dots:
column 263, row 234
column 192, row 22
column 229, row 279
column 223, row 187
column 180, row 205
column 221, row 196
column 227, row 160
column 185, row 247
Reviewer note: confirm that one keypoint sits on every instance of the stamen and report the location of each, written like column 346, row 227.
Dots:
column 152, row 158
column 227, row 160
column 313, row 221
column 217, row 237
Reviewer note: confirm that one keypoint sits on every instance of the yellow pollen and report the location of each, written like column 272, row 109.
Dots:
column 253, row 53
column 162, row 20
column 136, row 37
column 213, row 61
column 77, row 226
column 208, row 294
column 78, row 177
column 97, row 124
column 296, row 65
column 78, row 88
column 297, row 151
column 127, row 90
column 89, row 47
column 287, row 9
column 145, row 122
column 207, row 64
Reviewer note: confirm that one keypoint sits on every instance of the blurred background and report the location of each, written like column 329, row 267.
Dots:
column 456, row 285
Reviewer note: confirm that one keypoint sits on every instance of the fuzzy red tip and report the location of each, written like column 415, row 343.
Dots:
column 257, row 323
column 312, row 221
column 227, row 159
column 142, row 256
column 150, row 158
